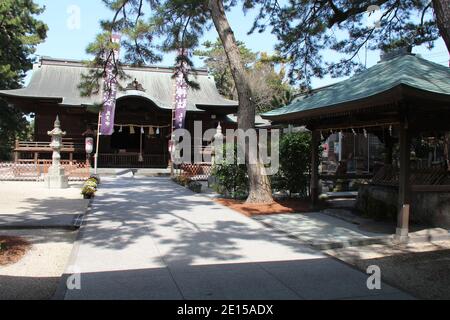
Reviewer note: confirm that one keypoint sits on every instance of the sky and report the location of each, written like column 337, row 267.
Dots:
column 73, row 24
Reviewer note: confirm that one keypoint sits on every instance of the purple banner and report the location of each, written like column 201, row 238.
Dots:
column 181, row 93
column 110, row 90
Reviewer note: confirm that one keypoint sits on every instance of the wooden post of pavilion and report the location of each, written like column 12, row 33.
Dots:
column 389, row 146
column 97, row 142
column 402, row 230
column 314, row 184
column 16, row 153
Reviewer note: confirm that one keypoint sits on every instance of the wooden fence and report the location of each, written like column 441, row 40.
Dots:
column 196, row 171
column 423, row 179
column 32, row 170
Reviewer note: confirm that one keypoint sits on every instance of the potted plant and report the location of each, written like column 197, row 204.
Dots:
column 195, row 186
column 96, row 178
column 89, row 188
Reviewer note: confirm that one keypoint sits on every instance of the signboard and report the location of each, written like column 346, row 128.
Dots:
column 110, row 90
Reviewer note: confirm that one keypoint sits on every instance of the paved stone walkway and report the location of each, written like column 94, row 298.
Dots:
column 152, row 239
column 322, row 231
column 32, row 205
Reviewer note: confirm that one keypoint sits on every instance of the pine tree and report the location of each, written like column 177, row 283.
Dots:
column 306, row 29
column 20, row 33
column 152, row 27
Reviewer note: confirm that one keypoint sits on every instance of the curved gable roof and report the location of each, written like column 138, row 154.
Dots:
column 407, row 70
column 58, row 79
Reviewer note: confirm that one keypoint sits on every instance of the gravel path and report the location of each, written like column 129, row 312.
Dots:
column 422, row 269
column 32, row 205
column 37, row 275
column 33, row 197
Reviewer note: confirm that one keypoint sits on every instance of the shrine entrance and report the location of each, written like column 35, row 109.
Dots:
column 141, row 136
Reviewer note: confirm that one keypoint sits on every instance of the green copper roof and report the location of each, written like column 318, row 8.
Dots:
column 406, row 70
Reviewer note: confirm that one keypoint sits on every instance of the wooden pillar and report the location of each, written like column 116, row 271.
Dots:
column 446, row 149
column 314, row 184
column 16, row 153
column 389, row 146
column 404, row 184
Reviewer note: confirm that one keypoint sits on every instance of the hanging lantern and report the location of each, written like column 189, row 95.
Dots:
column 89, row 145
column 157, row 131
column 151, row 131
column 121, row 129
column 132, row 130
column 365, row 133
column 142, row 130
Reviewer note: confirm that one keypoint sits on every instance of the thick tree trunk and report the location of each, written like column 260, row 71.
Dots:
column 260, row 188
column 442, row 12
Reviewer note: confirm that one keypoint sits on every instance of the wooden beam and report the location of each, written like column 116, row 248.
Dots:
column 314, row 185
column 431, row 188
column 349, row 176
column 404, row 184
column 343, row 123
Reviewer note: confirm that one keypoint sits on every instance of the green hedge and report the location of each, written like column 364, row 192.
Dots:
column 231, row 179
column 295, row 164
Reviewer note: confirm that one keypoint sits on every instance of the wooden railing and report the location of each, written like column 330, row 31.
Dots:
column 128, row 160
column 69, row 145
column 428, row 179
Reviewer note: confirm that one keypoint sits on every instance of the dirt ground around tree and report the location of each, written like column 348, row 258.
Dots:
column 278, row 206
column 12, row 249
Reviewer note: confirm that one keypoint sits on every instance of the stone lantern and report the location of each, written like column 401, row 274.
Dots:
column 56, row 178
column 217, row 149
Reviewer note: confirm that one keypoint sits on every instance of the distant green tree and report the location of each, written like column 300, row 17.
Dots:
column 282, row 100
column 266, row 82
column 13, row 125
column 20, row 33
column 215, row 59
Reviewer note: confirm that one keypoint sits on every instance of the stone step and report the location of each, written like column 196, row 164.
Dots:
column 141, row 172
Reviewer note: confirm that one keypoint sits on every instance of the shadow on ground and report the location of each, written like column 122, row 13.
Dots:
column 275, row 280
column 27, row 288
column 186, row 246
